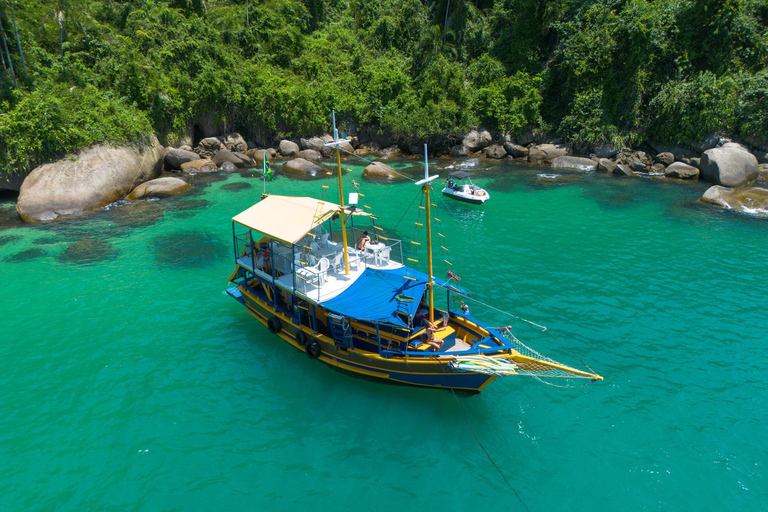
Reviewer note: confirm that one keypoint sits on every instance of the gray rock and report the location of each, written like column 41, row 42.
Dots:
column 729, row 166
column 574, row 163
column 225, row 155
column 495, row 151
column 681, row 171
column 665, row 158
column 380, row 171
column 175, row 157
column 737, row 199
column 288, row 148
column 606, row 165
column 515, row 151
column 476, row 140
column 234, row 142
column 209, row 147
column 606, row 151
column 309, row 154
column 638, row 166
column 201, row 165
column 301, row 168
column 315, row 143
column 658, row 168
column 160, row 187
column 460, row 150
column 622, row 170
column 545, row 153
column 227, row 167
column 97, row 177
column 257, row 155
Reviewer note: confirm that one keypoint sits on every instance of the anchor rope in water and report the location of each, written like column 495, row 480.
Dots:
column 477, row 440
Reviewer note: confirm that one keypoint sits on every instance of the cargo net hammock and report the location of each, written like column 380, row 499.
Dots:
column 529, row 363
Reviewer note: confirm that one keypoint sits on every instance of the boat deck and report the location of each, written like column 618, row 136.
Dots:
column 319, row 285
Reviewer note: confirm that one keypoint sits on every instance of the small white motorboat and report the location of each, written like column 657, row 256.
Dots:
column 467, row 192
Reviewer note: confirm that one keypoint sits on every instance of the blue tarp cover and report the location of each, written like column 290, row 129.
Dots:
column 372, row 296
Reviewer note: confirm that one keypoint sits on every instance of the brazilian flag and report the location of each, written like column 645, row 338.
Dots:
column 268, row 169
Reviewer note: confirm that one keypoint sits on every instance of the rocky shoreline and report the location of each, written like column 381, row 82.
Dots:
column 101, row 175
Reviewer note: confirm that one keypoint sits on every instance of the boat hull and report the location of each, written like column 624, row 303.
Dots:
column 464, row 198
column 432, row 372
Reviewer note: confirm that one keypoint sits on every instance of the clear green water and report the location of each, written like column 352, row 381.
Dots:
column 131, row 382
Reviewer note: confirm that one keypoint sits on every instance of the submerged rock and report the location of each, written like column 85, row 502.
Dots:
column 574, row 163
column 380, row 171
column 160, row 187
column 681, row 171
column 88, row 250
column 300, row 168
column 753, row 198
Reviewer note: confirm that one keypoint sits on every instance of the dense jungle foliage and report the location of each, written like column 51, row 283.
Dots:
column 78, row 72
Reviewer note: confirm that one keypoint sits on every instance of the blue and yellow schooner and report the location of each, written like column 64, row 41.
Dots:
column 361, row 309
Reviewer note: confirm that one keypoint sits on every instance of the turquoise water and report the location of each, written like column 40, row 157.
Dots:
column 130, row 381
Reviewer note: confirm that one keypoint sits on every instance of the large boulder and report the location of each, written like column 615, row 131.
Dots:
column 301, row 168
column 606, row 165
column 346, row 146
column 681, row 171
column 175, row 157
column 208, row 147
column 237, row 159
column 315, row 143
column 309, row 154
column 753, row 198
column 515, row 150
column 380, row 171
column 495, row 151
column 730, row 165
column 234, row 142
column 476, row 140
column 545, row 153
column 288, row 148
column 97, row 177
column 622, row 170
column 574, row 163
column 606, row 151
column 200, row 165
column 459, row 150
column 160, row 187
column 665, row 157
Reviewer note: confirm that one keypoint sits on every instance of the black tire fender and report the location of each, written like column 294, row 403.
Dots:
column 301, row 338
column 313, row 349
column 274, row 324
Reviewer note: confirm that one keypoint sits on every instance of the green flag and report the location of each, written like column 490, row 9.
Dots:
column 267, row 168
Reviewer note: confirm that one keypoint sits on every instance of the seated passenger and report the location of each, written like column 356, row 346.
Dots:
column 431, row 340
column 362, row 241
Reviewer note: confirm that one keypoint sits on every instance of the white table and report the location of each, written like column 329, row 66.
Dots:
column 379, row 251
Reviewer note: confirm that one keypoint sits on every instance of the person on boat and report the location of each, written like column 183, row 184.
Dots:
column 432, row 341
column 363, row 241
column 264, row 258
column 465, row 309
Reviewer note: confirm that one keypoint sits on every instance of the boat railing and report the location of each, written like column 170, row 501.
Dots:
column 244, row 253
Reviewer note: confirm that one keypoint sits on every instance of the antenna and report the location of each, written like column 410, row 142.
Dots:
column 427, row 177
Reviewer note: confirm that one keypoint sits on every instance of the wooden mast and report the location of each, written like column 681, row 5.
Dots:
column 426, row 186
column 341, row 197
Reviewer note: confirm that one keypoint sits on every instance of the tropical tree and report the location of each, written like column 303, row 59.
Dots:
column 7, row 53
column 62, row 14
column 18, row 40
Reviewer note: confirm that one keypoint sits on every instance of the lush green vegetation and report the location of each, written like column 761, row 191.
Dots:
column 588, row 71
